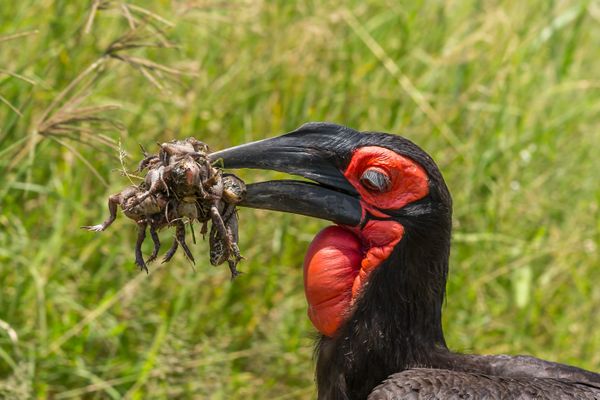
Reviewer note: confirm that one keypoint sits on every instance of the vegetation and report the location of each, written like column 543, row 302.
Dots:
column 504, row 95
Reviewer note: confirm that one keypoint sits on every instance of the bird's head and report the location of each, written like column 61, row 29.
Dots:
column 385, row 195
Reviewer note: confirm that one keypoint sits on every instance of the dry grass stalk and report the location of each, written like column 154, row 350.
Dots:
column 17, row 76
column 135, row 15
column 10, row 105
column 74, row 121
column 3, row 99
column 96, row 5
column 67, row 118
column 123, row 170
column 157, row 74
column 17, row 35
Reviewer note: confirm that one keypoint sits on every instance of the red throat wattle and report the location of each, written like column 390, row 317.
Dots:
column 338, row 263
column 340, row 259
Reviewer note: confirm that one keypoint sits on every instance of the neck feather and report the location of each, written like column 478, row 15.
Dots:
column 395, row 324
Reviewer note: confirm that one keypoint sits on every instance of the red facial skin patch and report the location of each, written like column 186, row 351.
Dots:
column 409, row 180
column 340, row 259
column 380, row 238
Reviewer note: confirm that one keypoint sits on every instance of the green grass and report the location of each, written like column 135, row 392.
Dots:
column 504, row 95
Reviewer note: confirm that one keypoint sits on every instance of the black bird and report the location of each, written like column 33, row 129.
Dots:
column 375, row 281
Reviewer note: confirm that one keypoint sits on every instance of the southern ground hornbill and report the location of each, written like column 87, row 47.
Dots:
column 375, row 281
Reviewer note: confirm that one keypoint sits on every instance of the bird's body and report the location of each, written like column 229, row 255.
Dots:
column 375, row 283
column 443, row 384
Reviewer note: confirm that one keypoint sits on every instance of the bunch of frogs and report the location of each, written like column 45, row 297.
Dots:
column 181, row 185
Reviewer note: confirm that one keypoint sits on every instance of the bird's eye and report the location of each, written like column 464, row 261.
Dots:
column 376, row 180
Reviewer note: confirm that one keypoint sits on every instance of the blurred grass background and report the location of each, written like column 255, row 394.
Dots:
column 505, row 96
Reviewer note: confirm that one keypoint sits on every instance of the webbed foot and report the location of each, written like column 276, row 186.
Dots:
column 94, row 228
column 233, row 269
column 171, row 252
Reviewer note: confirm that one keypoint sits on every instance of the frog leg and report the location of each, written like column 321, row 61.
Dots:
column 139, row 258
column 180, row 237
column 146, row 161
column 204, row 229
column 218, row 254
column 218, row 223
column 157, row 183
column 193, row 233
column 232, row 228
column 212, row 178
column 233, row 269
column 223, row 247
column 203, row 194
column 113, row 201
column 170, row 252
column 230, row 218
column 156, row 242
column 231, row 222
column 222, row 234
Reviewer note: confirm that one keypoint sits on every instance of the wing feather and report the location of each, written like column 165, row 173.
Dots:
column 440, row 384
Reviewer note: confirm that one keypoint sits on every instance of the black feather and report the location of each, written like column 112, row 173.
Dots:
column 395, row 324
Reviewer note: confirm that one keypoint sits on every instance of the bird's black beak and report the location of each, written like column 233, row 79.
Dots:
column 314, row 151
